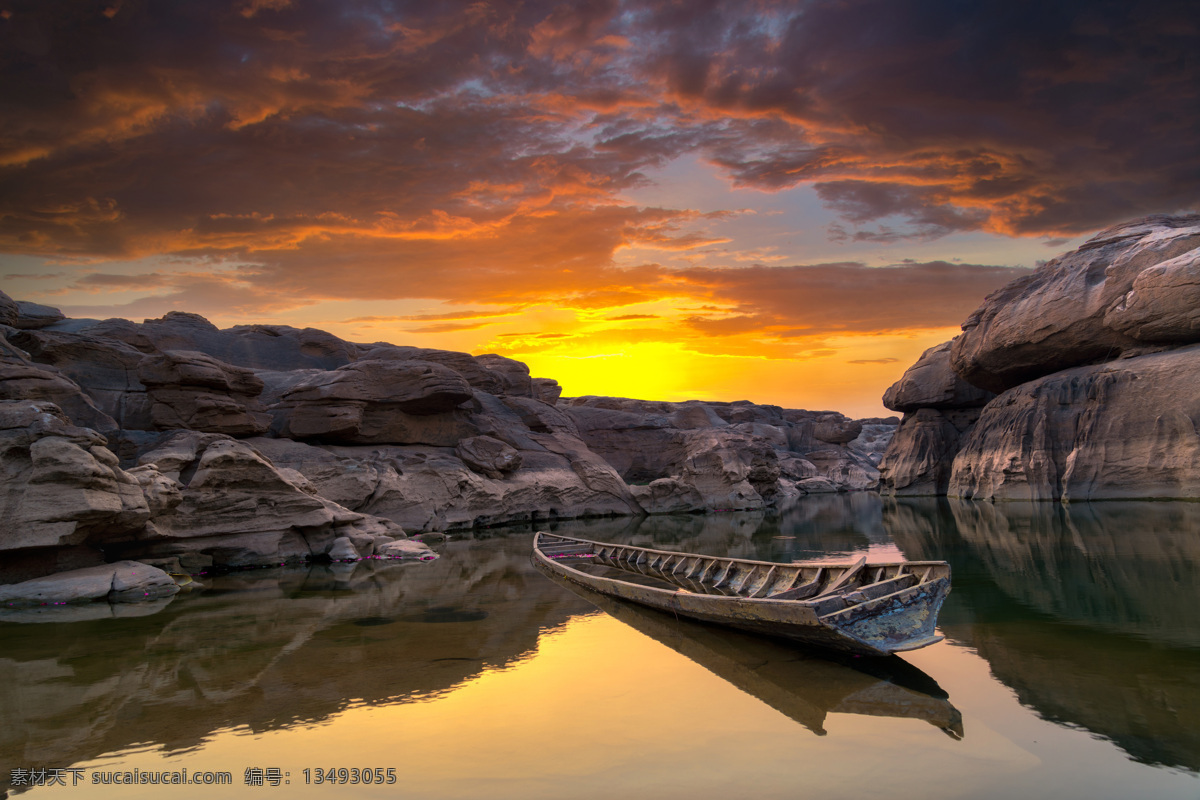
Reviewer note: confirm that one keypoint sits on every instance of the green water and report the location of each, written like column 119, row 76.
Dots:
column 1071, row 668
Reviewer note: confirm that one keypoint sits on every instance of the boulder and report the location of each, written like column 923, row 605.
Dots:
column 932, row 383
column 10, row 312
column 488, row 456
column 668, row 496
column 489, row 373
column 547, row 390
column 816, row 486
column 837, row 431
column 105, row 369
column 35, row 315
column 377, row 401
column 1078, row 308
column 193, row 391
column 1123, row 429
column 62, row 486
column 222, row 498
column 120, row 582
column 939, row 409
column 407, row 548
column 343, row 549
column 1164, row 303
column 21, row 379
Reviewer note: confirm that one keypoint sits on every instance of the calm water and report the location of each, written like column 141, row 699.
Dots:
column 1071, row 669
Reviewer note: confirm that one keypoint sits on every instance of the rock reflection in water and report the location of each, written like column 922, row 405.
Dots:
column 819, row 525
column 1087, row 611
column 271, row 649
column 799, row 684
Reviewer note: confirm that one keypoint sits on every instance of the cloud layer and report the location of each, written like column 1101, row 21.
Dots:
column 481, row 153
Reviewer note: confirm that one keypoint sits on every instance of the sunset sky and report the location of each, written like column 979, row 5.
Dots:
column 781, row 202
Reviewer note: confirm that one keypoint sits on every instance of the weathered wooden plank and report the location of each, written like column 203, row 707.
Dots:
column 801, row 592
column 760, row 588
column 845, row 578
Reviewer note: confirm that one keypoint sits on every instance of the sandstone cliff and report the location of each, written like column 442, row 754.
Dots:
column 1094, row 359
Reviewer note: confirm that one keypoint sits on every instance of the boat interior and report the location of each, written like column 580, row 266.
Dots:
column 828, row 586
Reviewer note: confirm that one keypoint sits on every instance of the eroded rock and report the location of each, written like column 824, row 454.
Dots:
column 1059, row 316
column 1123, row 429
column 35, row 315
column 61, row 485
column 932, row 383
column 377, row 401
column 194, row 391
column 119, row 582
column 488, row 456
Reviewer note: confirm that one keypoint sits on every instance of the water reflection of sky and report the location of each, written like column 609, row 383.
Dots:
column 474, row 676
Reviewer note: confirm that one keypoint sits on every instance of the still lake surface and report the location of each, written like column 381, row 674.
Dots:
column 1070, row 669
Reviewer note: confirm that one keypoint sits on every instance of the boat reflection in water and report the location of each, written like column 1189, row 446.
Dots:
column 795, row 682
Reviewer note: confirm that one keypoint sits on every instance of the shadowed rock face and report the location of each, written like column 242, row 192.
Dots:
column 932, row 383
column 60, row 485
column 939, row 409
column 106, row 370
column 1095, row 360
column 1122, row 429
column 194, row 391
column 1084, row 610
column 10, row 312
column 918, row 460
column 21, row 379
column 684, row 456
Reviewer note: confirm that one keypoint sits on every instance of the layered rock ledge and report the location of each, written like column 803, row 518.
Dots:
column 1094, row 360
column 177, row 444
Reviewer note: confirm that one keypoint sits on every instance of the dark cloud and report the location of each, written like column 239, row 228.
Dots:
column 103, row 282
column 1016, row 117
column 28, row 276
column 843, row 298
column 873, row 361
column 216, row 294
column 475, row 152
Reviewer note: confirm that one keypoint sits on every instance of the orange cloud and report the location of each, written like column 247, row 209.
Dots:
column 482, row 155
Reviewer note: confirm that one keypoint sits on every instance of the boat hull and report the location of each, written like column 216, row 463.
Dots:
column 899, row 621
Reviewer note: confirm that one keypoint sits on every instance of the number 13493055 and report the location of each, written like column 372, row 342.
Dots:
column 350, row 775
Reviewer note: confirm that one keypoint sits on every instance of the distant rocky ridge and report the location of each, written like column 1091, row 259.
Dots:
column 181, row 445
column 1080, row 381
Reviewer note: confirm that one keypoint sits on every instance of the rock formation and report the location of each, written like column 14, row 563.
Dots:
column 939, row 408
column 684, row 456
column 186, row 446
column 1087, row 306
column 1095, row 360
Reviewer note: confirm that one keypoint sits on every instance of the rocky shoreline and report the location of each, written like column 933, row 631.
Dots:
column 1080, row 381
column 134, row 451
column 181, row 447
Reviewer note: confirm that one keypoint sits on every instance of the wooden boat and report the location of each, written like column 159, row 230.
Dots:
column 875, row 609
